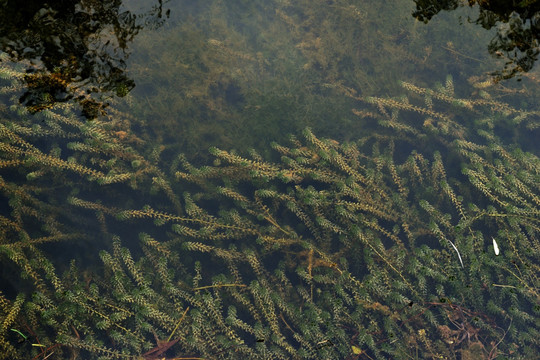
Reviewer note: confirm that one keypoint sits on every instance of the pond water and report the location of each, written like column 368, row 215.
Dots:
column 239, row 76
column 265, row 179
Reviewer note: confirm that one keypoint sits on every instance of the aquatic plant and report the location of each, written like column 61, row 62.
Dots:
column 374, row 248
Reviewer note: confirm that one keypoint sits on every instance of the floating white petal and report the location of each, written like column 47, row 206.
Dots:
column 495, row 246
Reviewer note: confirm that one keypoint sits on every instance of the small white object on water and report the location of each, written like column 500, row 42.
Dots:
column 459, row 256
column 495, row 246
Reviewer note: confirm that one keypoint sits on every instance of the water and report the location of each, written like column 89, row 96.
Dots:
column 115, row 245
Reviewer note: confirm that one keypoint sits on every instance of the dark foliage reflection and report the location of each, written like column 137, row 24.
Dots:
column 517, row 24
column 77, row 49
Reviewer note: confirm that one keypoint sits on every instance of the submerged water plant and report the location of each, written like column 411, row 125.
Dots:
column 326, row 250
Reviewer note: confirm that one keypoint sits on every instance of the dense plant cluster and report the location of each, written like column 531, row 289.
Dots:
column 374, row 248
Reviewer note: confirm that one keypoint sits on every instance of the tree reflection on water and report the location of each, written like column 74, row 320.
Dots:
column 517, row 24
column 78, row 50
